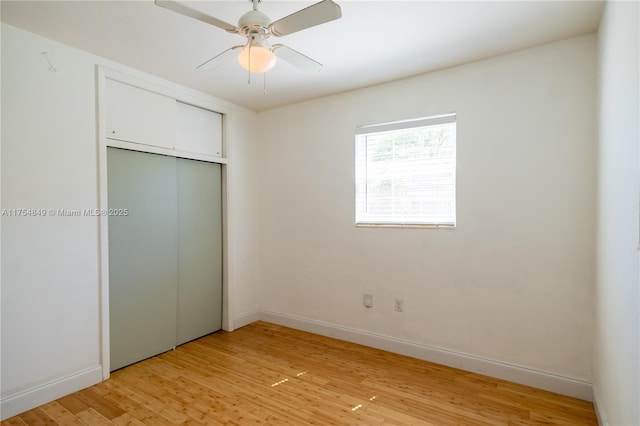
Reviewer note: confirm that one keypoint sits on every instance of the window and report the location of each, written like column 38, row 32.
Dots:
column 406, row 173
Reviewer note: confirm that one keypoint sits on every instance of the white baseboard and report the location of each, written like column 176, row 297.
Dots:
column 20, row 402
column 26, row 400
column 598, row 406
column 539, row 379
column 245, row 319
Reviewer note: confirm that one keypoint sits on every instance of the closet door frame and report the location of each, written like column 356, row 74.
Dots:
column 180, row 94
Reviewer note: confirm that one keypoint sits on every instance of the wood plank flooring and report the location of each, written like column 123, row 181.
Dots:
column 268, row 374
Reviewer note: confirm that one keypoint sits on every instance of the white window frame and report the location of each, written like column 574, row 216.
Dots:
column 366, row 218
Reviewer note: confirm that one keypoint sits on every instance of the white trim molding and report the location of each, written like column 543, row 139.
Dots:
column 20, row 402
column 598, row 406
column 563, row 385
column 245, row 319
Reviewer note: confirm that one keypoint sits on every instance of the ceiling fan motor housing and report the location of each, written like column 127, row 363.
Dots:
column 254, row 20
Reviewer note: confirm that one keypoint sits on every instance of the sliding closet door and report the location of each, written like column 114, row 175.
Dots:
column 199, row 249
column 143, row 247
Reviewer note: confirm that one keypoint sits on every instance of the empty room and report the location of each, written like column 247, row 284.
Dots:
column 325, row 212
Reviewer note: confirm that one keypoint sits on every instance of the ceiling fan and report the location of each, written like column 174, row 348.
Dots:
column 257, row 54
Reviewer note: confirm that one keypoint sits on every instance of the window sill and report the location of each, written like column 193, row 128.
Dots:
column 404, row 225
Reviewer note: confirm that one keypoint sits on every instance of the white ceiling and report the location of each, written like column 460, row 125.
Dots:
column 373, row 42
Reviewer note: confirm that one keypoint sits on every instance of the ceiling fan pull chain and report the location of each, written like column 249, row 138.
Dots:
column 264, row 87
column 249, row 70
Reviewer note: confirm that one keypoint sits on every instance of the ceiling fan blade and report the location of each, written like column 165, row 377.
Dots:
column 296, row 58
column 218, row 60
column 311, row 16
column 196, row 14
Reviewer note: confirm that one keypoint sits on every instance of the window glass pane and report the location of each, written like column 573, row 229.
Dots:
column 407, row 176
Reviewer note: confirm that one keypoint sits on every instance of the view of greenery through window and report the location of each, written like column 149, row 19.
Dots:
column 407, row 176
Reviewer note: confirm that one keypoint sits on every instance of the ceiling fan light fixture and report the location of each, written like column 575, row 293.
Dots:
column 257, row 59
column 257, row 56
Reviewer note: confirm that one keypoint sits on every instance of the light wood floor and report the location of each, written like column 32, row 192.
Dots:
column 267, row 374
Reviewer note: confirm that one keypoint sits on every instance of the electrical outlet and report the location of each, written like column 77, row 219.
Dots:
column 367, row 300
column 398, row 304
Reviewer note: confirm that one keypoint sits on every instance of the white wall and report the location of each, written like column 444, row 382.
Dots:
column 50, row 317
column 50, row 265
column 514, row 282
column 617, row 328
column 242, row 209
